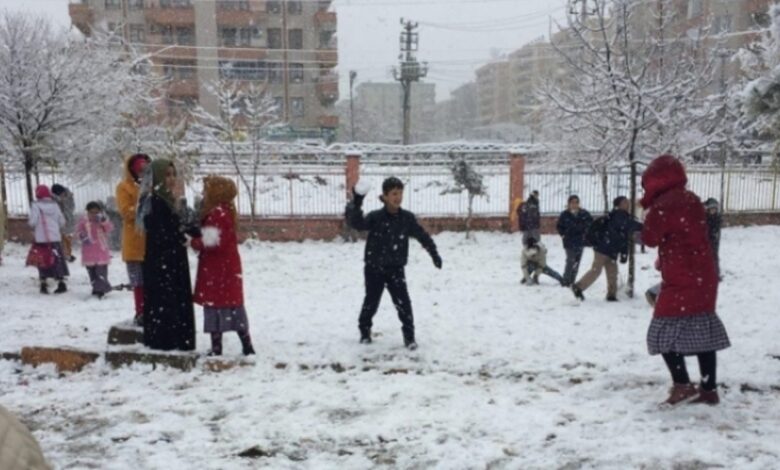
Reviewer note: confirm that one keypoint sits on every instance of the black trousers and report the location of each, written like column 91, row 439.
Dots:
column 573, row 259
column 394, row 278
column 707, row 366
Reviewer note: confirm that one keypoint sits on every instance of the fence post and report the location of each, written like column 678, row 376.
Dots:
column 516, row 187
column 352, row 172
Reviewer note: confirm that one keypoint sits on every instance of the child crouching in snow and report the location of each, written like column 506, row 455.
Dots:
column 93, row 230
column 387, row 251
column 219, row 287
column 534, row 263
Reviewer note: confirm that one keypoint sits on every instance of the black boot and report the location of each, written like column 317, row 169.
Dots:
column 216, row 344
column 612, row 298
column 577, row 292
column 61, row 288
column 411, row 345
column 246, row 343
column 365, row 336
column 44, row 288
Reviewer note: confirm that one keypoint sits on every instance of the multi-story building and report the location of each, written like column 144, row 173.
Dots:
column 289, row 46
column 379, row 117
column 494, row 91
column 457, row 116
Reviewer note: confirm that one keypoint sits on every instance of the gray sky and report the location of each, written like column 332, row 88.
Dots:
column 456, row 36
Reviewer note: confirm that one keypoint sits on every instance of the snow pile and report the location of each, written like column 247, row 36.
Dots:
column 507, row 376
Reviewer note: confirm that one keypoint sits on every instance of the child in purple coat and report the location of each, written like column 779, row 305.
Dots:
column 93, row 230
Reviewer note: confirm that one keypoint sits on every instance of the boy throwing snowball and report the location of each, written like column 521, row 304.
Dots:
column 387, row 250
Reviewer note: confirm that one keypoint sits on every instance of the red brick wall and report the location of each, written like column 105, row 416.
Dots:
column 329, row 228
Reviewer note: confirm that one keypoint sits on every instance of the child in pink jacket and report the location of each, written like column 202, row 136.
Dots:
column 93, row 230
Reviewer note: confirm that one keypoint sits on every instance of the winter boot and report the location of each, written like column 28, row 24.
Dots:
column 577, row 292
column 680, row 393
column 707, row 397
column 365, row 336
column 44, row 288
column 246, row 343
column 612, row 298
column 410, row 344
column 61, row 288
column 216, row 344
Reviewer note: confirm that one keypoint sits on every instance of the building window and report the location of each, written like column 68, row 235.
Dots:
column 245, row 36
column 175, row 3
column 167, row 34
column 135, row 4
column 275, row 74
column 295, row 39
column 243, row 70
column 273, row 7
column 294, row 7
column 279, row 104
column 297, row 108
column 113, row 4
column 228, row 5
column 227, row 36
column 275, row 38
column 296, row 73
column 185, row 36
column 137, row 33
column 179, row 70
column 327, row 39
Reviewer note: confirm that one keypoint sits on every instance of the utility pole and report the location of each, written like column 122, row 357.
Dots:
column 410, row 71
column 352, row 77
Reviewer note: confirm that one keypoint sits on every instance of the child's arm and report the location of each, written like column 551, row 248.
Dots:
column 418, row 232
column 354, row 214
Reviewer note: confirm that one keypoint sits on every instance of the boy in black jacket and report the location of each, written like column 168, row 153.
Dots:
column 387, row 250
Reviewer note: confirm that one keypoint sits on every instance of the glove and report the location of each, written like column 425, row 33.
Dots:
column 623, row 258
column 357, row 198
column 437, row 260
column 193, row 231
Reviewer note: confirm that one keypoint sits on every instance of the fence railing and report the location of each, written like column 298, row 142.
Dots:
column 318, row 187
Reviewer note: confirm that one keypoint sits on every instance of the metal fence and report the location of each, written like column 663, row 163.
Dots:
column 318, row 188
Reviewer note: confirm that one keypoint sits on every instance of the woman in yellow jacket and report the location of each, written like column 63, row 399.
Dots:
column 133, row 240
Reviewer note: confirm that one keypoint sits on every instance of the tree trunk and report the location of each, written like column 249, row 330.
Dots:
column 605, row 187
column 29, row 166
column 469, row 216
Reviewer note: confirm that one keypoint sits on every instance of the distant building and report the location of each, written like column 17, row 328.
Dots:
column 457, row 116
column 494, row 91
column 288, row 45
column 378, row 112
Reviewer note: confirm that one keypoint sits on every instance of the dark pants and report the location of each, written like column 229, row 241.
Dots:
column 573, row 259
column 394, row 278
column 707, row 366
column 98, row 277
column 546, row 270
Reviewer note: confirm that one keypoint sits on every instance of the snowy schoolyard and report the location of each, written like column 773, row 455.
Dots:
column 506, row 376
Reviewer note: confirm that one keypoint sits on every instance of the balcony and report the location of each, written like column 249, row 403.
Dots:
column 82, row 17
column 183, row 88
column 327, row 57
column 242, row 53
column 329, row 122
column 179, row 16
column 240, row 18
column 328, row 90
column 325, row 19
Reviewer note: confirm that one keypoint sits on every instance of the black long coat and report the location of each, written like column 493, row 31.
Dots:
column 169, row 316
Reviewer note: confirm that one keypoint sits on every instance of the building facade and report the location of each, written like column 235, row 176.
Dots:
column 379, row 117
column 289, row 46
column 494, row 91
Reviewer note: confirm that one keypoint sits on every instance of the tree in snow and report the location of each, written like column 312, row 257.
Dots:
column 466, row 178
column 61, row 96
column 632, row 87
column 245, row 116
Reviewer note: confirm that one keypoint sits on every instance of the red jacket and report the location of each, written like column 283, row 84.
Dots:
column 219, row 282
column 676, row 223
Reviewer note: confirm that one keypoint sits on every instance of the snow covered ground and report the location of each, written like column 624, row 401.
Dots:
column 507, row 376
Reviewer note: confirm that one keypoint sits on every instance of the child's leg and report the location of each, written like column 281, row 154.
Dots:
column 216, row 343
column 590, row 277
column 246, row 342
column 708, row 366
column 101, row 284
column 375, row 285
column 92, row 278
column 676, row 364
column 553, row 274
column 396, row 285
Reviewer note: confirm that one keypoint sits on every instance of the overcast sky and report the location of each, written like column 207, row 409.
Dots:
column 456, row 36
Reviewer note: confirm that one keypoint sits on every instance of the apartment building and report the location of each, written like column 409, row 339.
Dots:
column 378, row 112
column 494, row 91
column 288, row 46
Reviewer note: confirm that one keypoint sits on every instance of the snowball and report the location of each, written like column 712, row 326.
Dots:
column 211, row 236
column 362, row 187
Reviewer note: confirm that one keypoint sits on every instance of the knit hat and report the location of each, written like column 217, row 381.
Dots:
column 137, row 163
column 42, row 192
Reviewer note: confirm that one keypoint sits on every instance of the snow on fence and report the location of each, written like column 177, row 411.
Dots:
column 318, row 188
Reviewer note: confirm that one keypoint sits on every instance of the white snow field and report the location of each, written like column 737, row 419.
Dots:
column 506, row 376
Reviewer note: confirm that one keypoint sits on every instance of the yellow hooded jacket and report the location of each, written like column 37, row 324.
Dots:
column 133, row 241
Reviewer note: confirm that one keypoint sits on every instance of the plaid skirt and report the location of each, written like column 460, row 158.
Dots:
column 135, row 273
column 687, row 335
column 218, row 320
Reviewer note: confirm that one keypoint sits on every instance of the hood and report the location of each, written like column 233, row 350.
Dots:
column 128, row 173
column 663, row 174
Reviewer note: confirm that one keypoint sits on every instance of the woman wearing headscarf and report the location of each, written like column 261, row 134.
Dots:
column 219, row 287
column 685, row 322
column 168, row 318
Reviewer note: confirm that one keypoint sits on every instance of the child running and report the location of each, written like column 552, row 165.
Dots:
column 534, row 263
column 93, row 230
column 219, row 285
column 387, row 251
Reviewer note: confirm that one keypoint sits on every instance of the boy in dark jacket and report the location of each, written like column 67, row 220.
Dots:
column 387, row 251
column 529, row 217
column 612, row 241
column 573, row 225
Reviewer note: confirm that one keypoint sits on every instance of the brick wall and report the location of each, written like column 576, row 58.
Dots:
column 329, row 228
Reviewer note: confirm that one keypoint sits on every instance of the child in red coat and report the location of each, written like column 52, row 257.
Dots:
column 219, row 284
column 685, row 322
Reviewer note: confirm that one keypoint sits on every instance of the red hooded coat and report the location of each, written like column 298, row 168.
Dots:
column 676, row 223
column 219, row 283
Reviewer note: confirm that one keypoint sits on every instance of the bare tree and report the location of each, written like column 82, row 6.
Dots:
column 466, row 178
